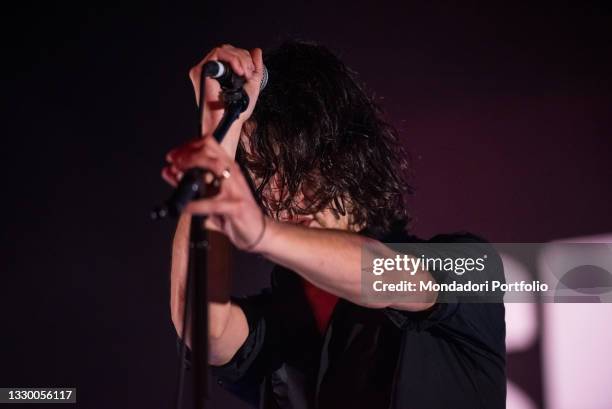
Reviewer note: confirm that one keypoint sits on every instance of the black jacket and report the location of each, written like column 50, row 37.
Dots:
column 451, row 356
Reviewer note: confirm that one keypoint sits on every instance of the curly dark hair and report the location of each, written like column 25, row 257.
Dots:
column 316, row 133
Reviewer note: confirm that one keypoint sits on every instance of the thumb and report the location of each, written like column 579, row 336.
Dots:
column 257, row 57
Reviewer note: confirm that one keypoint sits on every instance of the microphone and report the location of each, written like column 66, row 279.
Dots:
column 228, row 79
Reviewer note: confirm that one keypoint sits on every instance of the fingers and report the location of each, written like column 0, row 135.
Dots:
column 192, row 145
column 202, row 161
column 204, row 153
column 195, row 160
column 172, row 175
column 239, row 59
column 257, row 58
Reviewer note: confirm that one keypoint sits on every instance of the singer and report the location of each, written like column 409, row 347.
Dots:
column 311, row 172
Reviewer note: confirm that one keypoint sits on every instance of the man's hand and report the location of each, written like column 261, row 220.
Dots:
column 233, row 211
column 248, row 64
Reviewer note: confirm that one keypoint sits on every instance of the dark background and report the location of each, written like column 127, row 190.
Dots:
column 505, row 109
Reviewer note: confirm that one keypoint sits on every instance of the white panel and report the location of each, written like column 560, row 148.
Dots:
column 577, row 352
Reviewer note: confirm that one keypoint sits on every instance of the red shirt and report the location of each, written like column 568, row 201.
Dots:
column 321, row 303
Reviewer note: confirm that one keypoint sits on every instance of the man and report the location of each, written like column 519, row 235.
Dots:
column 326, row 176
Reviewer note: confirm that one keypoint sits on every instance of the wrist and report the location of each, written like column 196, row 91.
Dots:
column 255, row 245
column 264, row 244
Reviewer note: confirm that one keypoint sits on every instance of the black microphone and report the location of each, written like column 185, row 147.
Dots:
column 227, row 78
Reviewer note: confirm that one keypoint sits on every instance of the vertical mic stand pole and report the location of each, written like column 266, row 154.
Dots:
column 236, row 101
column 198, row 286
column 192, row 187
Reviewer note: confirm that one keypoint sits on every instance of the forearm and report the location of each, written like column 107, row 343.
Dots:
column 227, row 326
column 180, row 253
column 330, row 259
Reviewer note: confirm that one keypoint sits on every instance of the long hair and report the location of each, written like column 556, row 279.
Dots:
column 316, row 134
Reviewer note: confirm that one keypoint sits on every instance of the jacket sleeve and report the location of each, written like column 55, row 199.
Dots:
column 459, row 245
column 244, row 374
column 261, row 351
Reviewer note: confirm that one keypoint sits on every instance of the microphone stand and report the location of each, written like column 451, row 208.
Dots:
column 192, row 187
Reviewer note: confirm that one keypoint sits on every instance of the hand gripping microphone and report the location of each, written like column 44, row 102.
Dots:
column 229, row 80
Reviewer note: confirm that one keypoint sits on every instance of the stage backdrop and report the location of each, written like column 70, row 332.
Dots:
column 505, row 110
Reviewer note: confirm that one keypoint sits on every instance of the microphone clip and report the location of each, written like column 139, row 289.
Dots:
column 235, row 99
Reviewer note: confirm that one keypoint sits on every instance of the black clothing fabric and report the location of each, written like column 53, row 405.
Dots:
column 450, row 356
